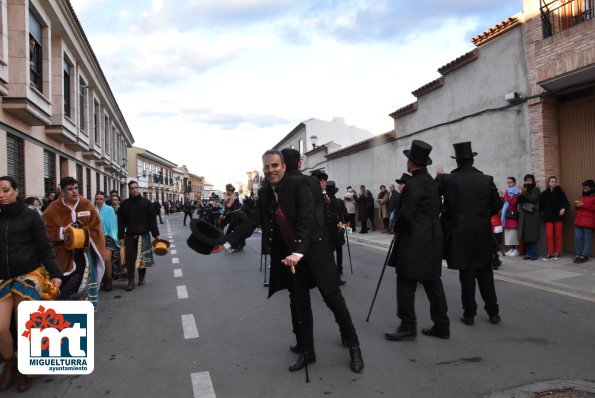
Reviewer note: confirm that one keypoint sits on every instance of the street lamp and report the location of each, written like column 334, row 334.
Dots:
column 314, row 141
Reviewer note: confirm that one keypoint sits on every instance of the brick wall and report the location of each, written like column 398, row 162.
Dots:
column 564, row 52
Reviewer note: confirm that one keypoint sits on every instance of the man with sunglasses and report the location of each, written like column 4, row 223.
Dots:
column 83, row 266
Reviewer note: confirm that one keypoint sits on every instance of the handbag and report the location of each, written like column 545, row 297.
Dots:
column 528, row 207
column 512, row 214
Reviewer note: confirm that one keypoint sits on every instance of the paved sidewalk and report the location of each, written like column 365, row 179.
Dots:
column 562, row 276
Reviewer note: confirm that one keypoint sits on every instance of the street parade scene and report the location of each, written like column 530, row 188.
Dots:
column 183, row 213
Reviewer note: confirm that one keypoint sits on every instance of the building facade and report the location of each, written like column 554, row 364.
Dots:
column 58, row 115
column 153, row 173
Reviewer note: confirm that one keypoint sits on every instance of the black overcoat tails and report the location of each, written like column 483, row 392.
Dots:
column 470, row 200
column 418, row 251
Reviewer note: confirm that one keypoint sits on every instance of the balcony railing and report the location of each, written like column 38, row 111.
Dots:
column 559, row 15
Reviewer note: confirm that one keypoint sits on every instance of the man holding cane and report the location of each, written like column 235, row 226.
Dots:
column 293, row 229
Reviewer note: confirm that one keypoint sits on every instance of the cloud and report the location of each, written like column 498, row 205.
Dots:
column 355, row 21
column 204, row 116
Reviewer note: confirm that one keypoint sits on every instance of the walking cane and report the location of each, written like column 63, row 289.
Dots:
column 265, row 271
column 348, row 249
column 299, row 319
column 390, row 248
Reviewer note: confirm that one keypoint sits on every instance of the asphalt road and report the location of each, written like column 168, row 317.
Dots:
column 202, row 327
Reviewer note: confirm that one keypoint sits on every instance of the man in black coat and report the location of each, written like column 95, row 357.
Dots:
column 417, row 255
column 293, row 227
column 470, row 200
column 337, row 216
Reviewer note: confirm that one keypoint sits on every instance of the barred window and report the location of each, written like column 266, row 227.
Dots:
column 15, row 156
column 97, row 184
column 49, row 172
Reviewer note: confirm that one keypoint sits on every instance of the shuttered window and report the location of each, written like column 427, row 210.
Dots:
column 49, row 172
column 15, row 157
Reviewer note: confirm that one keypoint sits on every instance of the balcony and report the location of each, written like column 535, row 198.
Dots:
column 560, row 15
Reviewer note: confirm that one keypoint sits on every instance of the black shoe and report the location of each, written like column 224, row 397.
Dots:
column 141, row 276
column 266, row 284
column 304, row 359
column 468, row 320
column 495, row 319
column 357, row 363
column 401, row 334
column 434, row 332
column 526, row 258
column 130, row 285
column 295, row 349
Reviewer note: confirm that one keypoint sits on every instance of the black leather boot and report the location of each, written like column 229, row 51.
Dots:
column 357, row 362
column 9, row 374
column 304, row 359
column 141, row 276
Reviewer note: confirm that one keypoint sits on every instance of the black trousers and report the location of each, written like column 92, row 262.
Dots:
column 131, row 243
column 351, row 220
column 159, row 215
column 187, row 215
column 303, row 313
column 485, row 282
column 339, row 258
column 406, row 303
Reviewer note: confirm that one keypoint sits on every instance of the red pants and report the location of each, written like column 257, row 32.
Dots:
column 553, row 236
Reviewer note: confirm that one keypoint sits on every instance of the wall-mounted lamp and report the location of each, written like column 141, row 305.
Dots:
column 314, row 141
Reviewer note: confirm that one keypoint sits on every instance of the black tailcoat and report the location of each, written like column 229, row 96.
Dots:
column 470, row 199
column 418, row 252
column 298, row 204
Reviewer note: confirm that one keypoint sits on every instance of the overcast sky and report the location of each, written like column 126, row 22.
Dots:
column 214, row 83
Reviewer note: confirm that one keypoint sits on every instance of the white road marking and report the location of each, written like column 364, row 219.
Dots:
column 182, row 292
column 178, row 273
column 202, row 385
column 174, row 251
column 172, row 245
column 175, row 260
column 189, row 326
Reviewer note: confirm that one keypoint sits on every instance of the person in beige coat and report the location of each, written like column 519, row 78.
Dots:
column 383, row 205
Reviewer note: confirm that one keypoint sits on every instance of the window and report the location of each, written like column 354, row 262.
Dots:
column 97, row 183
column 82, row 104
column 106, row 133
column 113, row 143
column 88, row 183
column 67, row 102
column 105, row 185
column 301, row 144
column 96, row 130
column 49, row 172
column 15, row 156
column 35, row 52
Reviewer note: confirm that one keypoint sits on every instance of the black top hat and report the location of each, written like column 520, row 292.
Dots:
column 463, row 151
column 320, row 175
column 404, row 178
column 331, row 188
column 419, row 153
column 204, row 236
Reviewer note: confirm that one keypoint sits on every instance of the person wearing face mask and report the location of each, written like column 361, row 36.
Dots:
column 350, row 205
column 510, row 217
column 584, row 222
column 553, row 206
column 529, row 220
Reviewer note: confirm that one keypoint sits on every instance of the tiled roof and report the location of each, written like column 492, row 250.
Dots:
column 428, row 87
column 496, row 30
column 412, row 107
column 459, row 62
column 358, row 146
